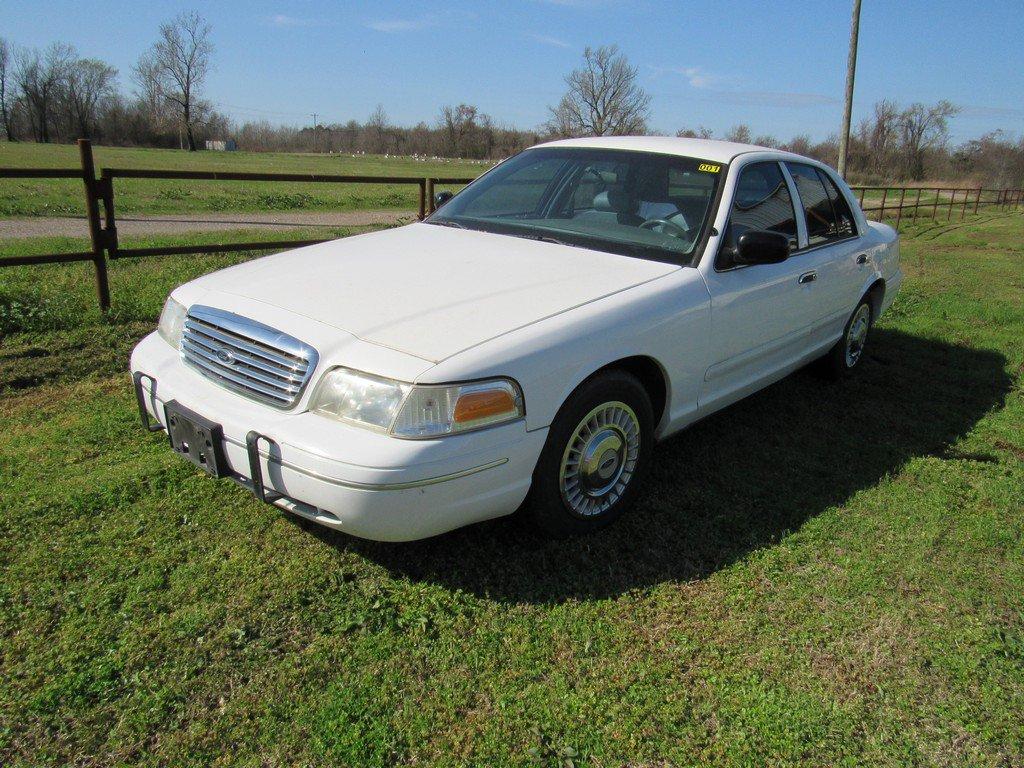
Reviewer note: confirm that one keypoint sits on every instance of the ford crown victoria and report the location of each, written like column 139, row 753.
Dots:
column 526, row 345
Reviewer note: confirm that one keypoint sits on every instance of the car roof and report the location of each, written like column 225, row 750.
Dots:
column 703, row 149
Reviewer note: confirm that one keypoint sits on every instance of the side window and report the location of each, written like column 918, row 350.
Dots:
column 761, row 201
column 845, row 226
column 821, row 222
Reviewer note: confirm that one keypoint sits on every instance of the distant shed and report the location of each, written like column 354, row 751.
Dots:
column 221, row 145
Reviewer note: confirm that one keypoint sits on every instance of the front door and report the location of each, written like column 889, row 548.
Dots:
column 760, row 314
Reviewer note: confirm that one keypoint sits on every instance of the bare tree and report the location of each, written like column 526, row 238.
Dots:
column 739, row 133
column 150, row 88
column 40, row 79
column 182, row 58
column 6, row 96
column 603, row 99
column 467, row 131
column 377, row 128
column 883, row 135
column 89, row 82
column 923, row 128
column 700, row 133
column 801, row 144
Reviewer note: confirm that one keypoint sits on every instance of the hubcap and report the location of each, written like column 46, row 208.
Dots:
column 857, row 335
column 600, row 459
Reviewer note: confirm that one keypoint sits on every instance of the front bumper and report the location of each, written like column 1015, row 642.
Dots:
column 351, row 479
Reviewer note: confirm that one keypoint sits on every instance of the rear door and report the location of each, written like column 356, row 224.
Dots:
column 760, row 314
column 831, row 251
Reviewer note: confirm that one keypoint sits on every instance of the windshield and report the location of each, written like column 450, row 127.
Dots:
column 635, row 203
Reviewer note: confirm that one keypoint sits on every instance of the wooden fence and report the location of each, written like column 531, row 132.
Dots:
column 879, row 202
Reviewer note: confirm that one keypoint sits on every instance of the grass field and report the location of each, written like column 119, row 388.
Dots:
column 820, row 575
column 55, row 197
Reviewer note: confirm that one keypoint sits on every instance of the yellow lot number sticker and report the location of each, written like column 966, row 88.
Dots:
column 709, row 168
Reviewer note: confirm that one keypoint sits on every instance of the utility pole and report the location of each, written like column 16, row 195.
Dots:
column 314, row 131
column 851, row 69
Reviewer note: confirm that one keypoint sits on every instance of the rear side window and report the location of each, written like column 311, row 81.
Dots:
column 826, row 211
column 821, row 222
column 761, row 201
column 845, row 226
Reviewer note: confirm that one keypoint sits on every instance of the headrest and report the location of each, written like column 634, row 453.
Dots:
column 614, row 201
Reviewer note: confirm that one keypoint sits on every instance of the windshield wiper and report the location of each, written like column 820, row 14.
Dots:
column 546, row 239
column 448, row 223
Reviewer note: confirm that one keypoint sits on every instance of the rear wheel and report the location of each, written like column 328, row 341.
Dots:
column 845, row 356
column 596, row 454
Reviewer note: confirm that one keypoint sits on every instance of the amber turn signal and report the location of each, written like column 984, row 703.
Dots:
column 486, row 404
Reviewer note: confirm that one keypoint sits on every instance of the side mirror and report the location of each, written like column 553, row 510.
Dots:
column 441, row 198
column 760, row 246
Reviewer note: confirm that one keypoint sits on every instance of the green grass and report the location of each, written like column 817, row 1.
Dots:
column 819, row 575
column 56, row 197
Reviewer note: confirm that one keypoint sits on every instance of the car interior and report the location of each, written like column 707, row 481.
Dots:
column 646, row 200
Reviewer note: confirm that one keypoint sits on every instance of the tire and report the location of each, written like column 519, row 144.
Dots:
column 846, row 356
column 609, row 417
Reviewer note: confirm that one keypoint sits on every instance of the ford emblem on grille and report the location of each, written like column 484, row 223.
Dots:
column 238, row 353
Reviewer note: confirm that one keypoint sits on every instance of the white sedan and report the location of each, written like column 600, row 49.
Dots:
column 526, row 345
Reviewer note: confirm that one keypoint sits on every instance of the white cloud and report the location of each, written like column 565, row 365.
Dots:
column 547, row 40
column 392, row 26
column 697, row 77
column 282, row 20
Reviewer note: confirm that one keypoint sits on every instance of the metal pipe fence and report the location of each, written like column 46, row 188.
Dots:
column 103, row 230
column 933, row 201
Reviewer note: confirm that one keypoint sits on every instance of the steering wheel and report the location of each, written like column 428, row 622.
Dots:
column 670, row 227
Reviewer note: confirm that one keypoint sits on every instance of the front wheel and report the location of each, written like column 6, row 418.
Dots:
column 846, row 355
column 596, row 454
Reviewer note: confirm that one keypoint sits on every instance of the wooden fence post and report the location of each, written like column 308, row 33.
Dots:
column 106, row 189
column 92, row 210
column 917, row 203
column 963, row 211
column 977, row 200
column 899, row 211
column 881, row 212
column 423, row 199
column 935, row 206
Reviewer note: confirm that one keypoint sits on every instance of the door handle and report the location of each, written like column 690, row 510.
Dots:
column 862, row 259
column 808, row 277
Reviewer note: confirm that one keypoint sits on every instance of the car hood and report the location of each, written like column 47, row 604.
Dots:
column 432, row 291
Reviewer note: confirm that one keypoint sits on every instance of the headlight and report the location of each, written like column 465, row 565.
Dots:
column 358, row 397
column 416, row 411
column 172, row 322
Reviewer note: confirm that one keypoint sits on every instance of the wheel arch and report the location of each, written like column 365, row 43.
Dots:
column 875, row 294
column 648, row 371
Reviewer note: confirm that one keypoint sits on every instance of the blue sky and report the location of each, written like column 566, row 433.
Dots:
column 778, row 66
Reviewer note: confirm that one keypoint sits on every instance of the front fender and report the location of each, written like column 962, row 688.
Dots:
column 667, row 320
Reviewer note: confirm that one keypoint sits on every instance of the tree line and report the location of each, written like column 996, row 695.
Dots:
column 56, row 95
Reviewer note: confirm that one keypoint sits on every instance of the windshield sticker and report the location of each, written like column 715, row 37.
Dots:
column 709, row 168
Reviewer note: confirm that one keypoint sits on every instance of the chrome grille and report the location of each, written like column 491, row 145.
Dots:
column 248, row 357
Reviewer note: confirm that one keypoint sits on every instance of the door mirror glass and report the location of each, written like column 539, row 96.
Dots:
column 760, row 246
column 441, row 198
